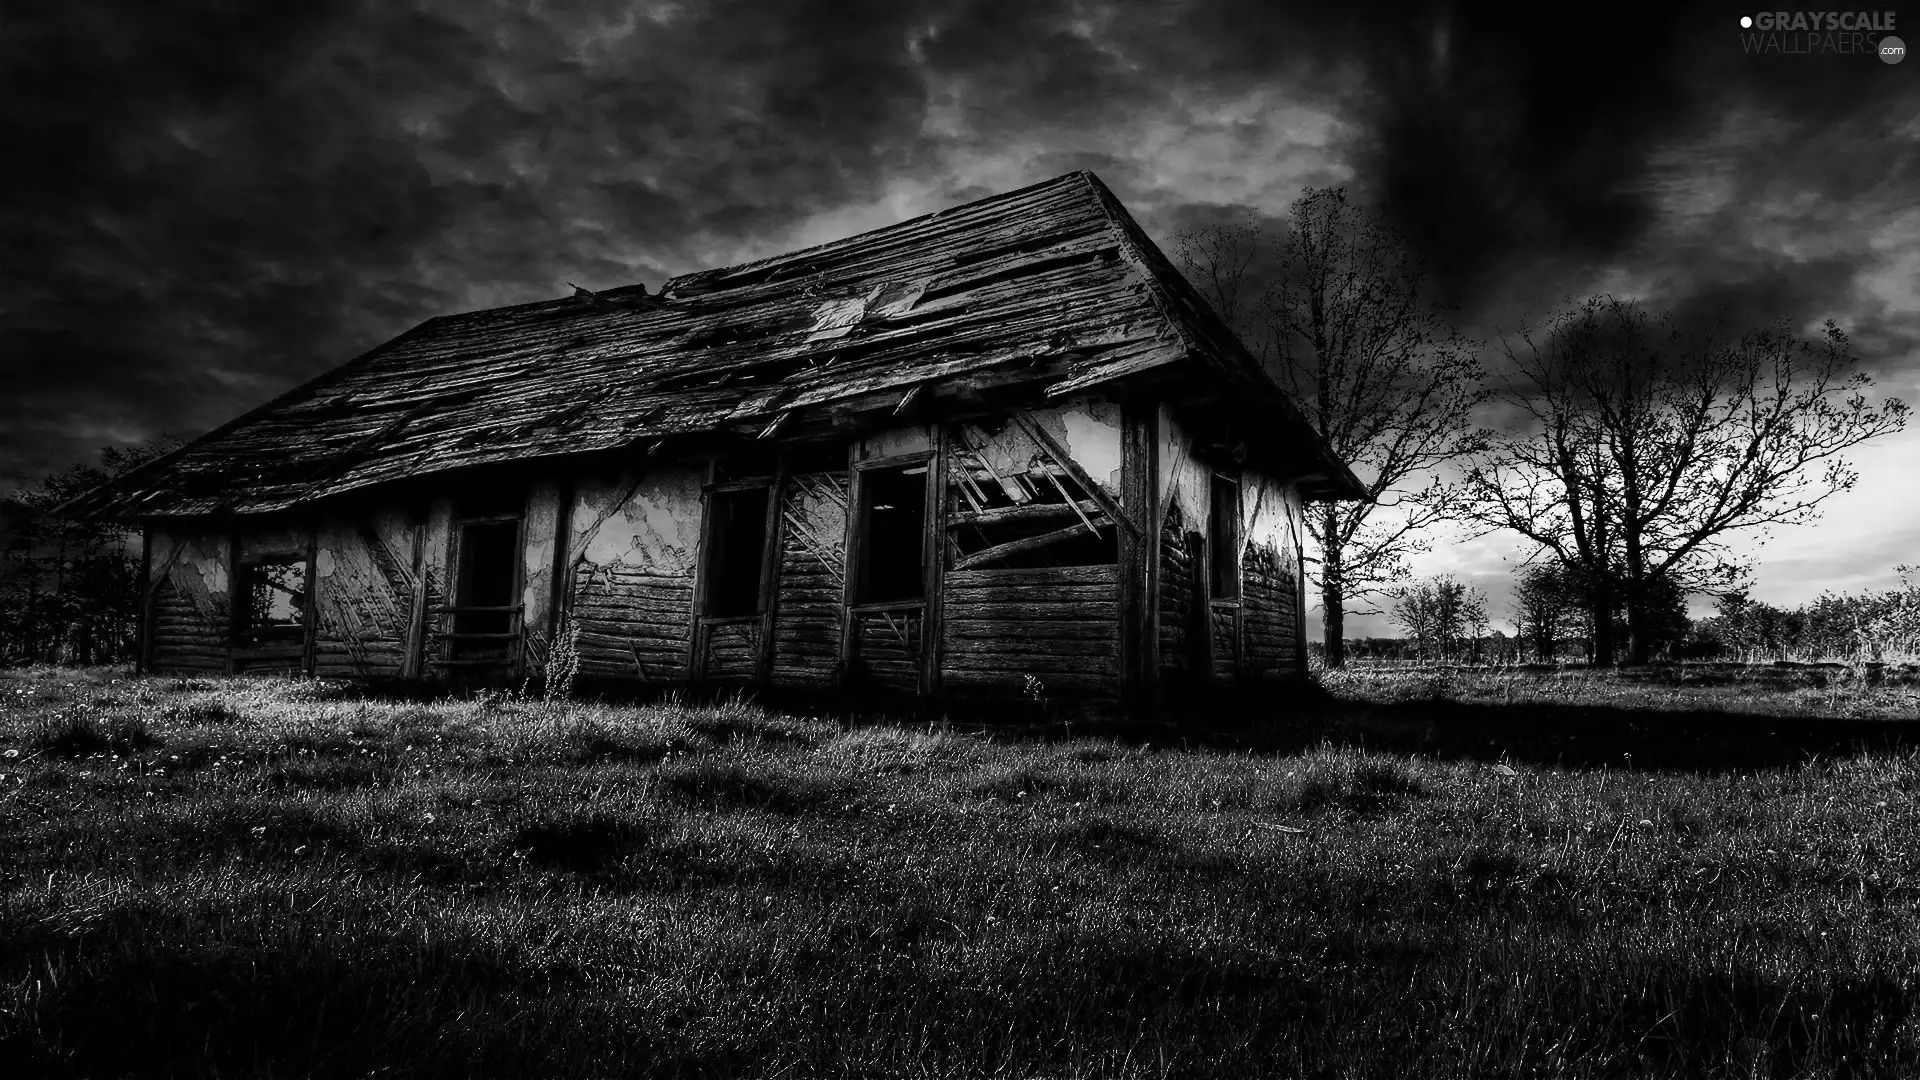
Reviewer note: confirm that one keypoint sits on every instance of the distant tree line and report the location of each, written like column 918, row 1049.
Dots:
column 70, row 591
column 1443, row 620
column 1870, row 627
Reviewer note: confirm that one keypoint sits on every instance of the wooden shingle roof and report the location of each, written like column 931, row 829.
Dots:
column 1049, row 289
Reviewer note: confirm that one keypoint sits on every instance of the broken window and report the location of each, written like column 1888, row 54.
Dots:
column 272, row 594
column 1032, row 514
column 736, row 552
column 893, row 523
column 1223, row 539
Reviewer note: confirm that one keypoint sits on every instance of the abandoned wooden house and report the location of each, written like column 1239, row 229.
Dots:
column 1001, row 448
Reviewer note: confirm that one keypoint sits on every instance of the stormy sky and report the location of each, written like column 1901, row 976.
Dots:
column 207, row 203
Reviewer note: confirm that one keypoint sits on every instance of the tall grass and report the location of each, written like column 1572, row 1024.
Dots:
column 287, row 878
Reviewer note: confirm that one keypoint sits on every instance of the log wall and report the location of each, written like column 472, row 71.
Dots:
column 1059, row 625
column 813, row 574
column 631, row 547
column 191, row 599
column 1274, row 643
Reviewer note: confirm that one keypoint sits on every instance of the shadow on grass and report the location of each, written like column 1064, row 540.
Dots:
column 1587, row 736
column 164, row 994
column 731, row 785
column 1543, row 733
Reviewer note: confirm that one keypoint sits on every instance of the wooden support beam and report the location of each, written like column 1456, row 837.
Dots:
column 770, row 574
column 1061, row 458
column 143, row 643
column 933, row 562
column 1138, row 557
column 412, row 662
column 560, row 586
column 310, row 603
column 1014, row 547
column 1031, row 512
column 1015, row 492
column 773, row 427
column 851, row 546
column 907, row 399
column 1071, row 503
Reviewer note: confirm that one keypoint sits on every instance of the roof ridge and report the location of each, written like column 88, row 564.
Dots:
column 1135, row 255
column 982, row 204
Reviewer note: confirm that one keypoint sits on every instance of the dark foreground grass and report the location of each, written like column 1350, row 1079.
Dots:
column 254, row 878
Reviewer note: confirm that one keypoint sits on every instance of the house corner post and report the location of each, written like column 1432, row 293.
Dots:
column 934, row 561
column 769, row 600
column 143, row 616
column 1139, row 472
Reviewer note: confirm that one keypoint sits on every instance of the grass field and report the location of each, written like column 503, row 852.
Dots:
column 1423, row 874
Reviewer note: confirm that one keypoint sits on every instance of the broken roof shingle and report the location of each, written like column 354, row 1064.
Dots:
column 1052, row 286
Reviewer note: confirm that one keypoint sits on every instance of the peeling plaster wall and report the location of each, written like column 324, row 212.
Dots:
column 542, row 531
column 1273, row 525
column 1185, row 492
column 649, row 524
column 1183, row 479
column 631, row 548
column 191, row 597
column 813, row 575
column 916, row 439
column 365, row 591
column 1089, row 431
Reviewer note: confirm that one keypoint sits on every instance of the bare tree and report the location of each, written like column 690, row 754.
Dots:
column 1338, row 312
column 1639, row 446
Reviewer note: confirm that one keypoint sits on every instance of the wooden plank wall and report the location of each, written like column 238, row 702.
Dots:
column 184, row 638
column 191, row 596
column 1270, row 594
column 1060, row 625
column 631, row 624
column 364, row 592
column 1176, row 592
column 812, row 573
column 732, row 652
column 1226, row 640
column 887, row 648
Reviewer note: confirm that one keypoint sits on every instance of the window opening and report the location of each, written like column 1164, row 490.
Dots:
column 1035, row 517
column 484, row 586
column 893, row 521
column 1223, row 539
column 737, row 546
column 273, row 600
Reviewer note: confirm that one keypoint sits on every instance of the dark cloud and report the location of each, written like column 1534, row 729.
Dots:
column 208, row 202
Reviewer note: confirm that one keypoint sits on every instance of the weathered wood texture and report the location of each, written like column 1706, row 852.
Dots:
column 812, row 576
column 364, row 589
column 191, row 599
column 1176, row 592
column 185, row 639
column 1225, row 620
column 1270, row 594
column 632, row 624
column 1138, row 565
column 1045, row 289
column 730, row 652
column 887, row 648
column 1061, row 626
